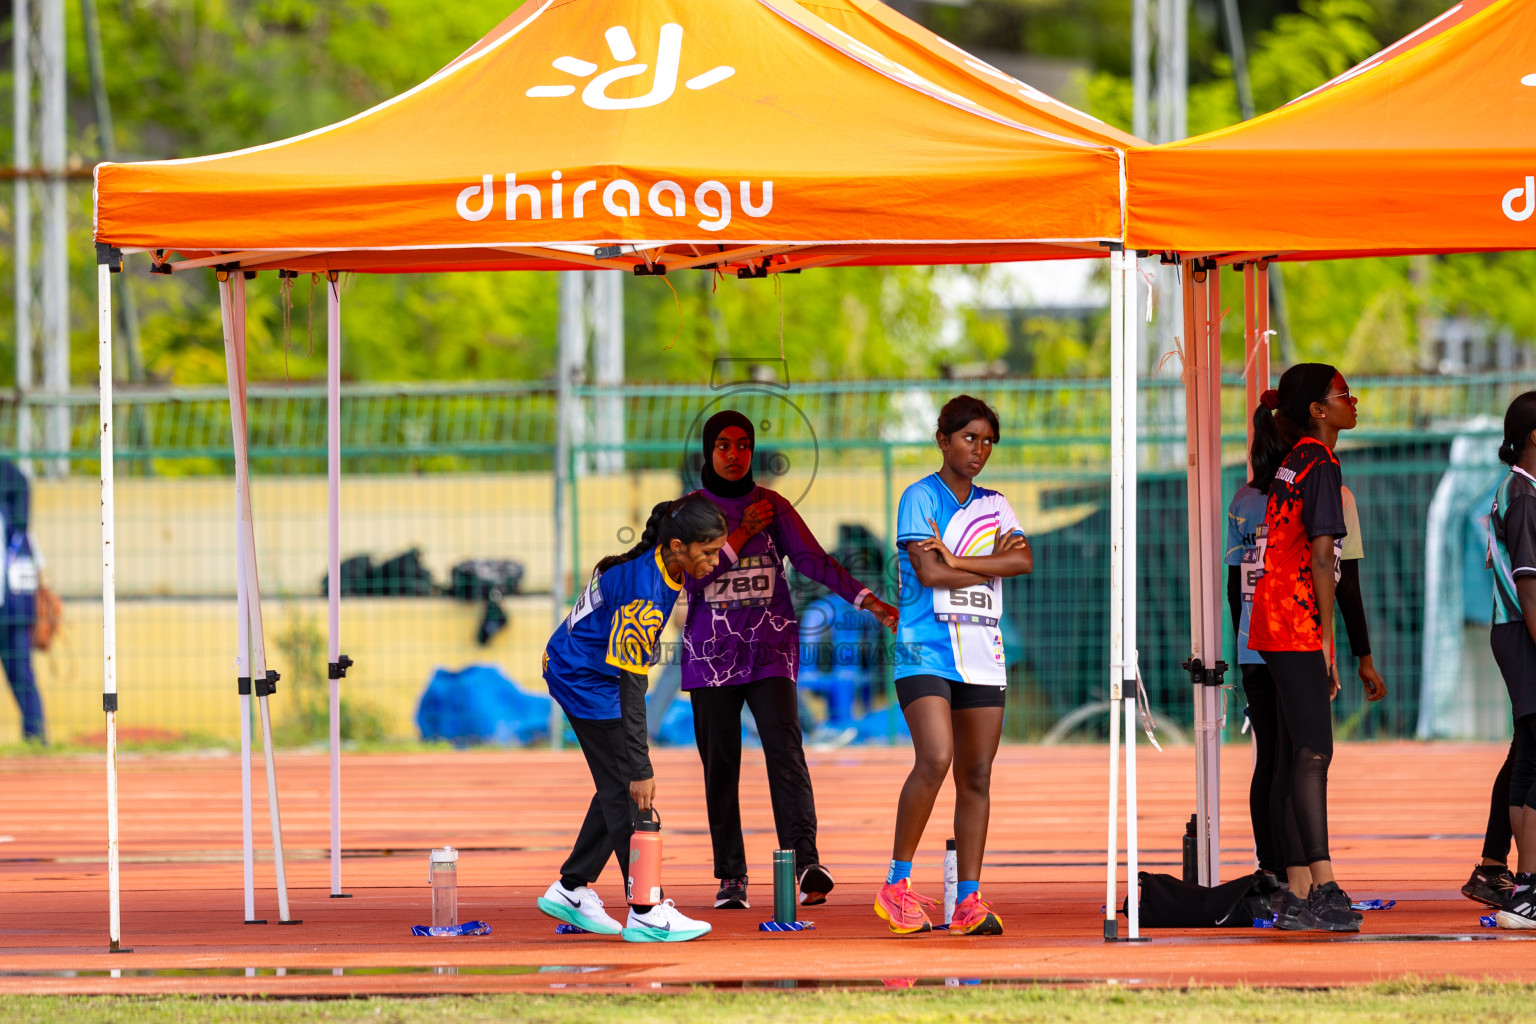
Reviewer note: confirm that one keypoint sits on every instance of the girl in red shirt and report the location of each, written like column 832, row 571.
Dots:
column 1292, row 626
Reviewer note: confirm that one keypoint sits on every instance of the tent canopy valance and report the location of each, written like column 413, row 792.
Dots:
column 623, row 133
column 1427, row 147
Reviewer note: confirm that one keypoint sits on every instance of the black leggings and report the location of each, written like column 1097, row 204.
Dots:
column 1299, row 800
column 1522, row 771
column 1264, row 719
column 1499, row 835
column 775, row 708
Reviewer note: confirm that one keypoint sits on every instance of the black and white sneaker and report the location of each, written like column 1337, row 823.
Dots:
column 732, row 894
column 1490, row 886
column 815, row 883
column 1521, row 911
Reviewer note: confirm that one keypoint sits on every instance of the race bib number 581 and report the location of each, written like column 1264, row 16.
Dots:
column 978, row 604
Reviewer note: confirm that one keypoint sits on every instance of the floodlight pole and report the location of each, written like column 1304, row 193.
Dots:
column 108, row 260
column 338, row 663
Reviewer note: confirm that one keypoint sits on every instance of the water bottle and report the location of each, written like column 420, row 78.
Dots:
column 645, row 862
column 951, row 880
column 443, row 874
column 1191, row 854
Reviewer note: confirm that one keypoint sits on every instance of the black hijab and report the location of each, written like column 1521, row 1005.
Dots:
column 713, row 482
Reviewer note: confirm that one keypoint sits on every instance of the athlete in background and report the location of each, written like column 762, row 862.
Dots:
column 1292, row 626
column 1245, row 558
column 1512, row 557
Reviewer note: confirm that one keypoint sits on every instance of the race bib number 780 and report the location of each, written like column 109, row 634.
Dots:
column 750, row 583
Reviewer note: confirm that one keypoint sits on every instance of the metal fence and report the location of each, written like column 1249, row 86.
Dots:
column 454, row 472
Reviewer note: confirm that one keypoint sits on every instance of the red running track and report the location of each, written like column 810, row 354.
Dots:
column 1407, row 825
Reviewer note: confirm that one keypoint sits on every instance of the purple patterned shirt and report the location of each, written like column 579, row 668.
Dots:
column 741, row 624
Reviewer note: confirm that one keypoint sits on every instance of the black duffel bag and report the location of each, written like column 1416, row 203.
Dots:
column 1169, row 902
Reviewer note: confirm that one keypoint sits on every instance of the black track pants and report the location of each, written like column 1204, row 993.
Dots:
column 1299, row 804
column 717, row 730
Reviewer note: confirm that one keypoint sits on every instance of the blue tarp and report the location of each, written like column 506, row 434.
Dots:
column 479, row 704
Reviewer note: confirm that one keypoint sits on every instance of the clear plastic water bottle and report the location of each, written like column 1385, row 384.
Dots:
column 443, row 874
column 951, row 880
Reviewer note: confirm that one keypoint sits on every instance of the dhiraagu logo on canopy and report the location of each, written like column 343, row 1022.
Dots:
column 669, row 52
column 1520, row 202
column 714, row 202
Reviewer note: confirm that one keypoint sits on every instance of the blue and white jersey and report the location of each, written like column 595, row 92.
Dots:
column 1245, row 549
column 948, row 633
column 613, row 627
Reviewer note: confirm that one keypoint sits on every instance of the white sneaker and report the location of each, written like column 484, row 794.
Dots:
column 664, row 923
column 580, row 907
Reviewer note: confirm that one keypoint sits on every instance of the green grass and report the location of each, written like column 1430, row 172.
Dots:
column 1407, row 1002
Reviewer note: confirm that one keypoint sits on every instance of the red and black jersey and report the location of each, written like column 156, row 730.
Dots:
column 1305, row 501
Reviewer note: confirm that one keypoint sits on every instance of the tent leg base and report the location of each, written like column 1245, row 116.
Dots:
column 258, row 921
column 118, row 947
column 341, row 895
column 1111, row 931
column 296, row 920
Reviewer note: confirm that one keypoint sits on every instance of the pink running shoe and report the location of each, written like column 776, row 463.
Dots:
column 973, row 916
column 903, row 908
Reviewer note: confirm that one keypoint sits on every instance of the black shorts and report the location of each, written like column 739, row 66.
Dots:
column 961, row 696
column 1516, row 657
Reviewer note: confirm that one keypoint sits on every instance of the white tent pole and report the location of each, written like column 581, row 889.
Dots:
column 109, row 592
column 1127, row 610
column 1117, row 446
column 1261, row 309
column 242, row 628
column 1192, row 413
column 243, row 684
column 338, row 662
column 1250, row 354
column 1212, row 516
column 262, row 681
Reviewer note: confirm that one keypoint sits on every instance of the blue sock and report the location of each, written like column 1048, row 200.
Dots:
column 899, row 869
column 964, row 889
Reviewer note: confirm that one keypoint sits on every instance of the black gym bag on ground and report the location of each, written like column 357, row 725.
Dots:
column 1169, row 902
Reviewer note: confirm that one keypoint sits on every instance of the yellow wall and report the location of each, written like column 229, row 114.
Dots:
column 176, row 580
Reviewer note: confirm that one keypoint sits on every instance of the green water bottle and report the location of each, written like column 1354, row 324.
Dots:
column 784, row 886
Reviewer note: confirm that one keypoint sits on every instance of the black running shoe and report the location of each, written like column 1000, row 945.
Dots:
column 1490, row 886
column 1521, row 911
column 815, row 883
column 1287, row 909
column 1327, row 909
column 732, row 894
column 1338, row 899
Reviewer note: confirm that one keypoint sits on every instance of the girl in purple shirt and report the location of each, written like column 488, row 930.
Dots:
column 741, row 646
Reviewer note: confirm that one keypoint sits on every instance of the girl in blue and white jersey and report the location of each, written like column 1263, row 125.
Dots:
column 955, row 544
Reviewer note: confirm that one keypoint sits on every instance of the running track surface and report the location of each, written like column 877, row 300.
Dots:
column 1407, row 825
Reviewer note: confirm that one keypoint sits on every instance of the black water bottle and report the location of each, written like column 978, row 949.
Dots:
column 1191, row 856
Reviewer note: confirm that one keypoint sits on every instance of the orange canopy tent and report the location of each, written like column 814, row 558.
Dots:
column 1426, row 147
column 677, row 130
column 648, row 136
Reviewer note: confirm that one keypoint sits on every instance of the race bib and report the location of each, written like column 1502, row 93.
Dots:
column 980, row 604
column 1253, row 562
column 748, row 584
column 590, row 600
column 21, row 575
